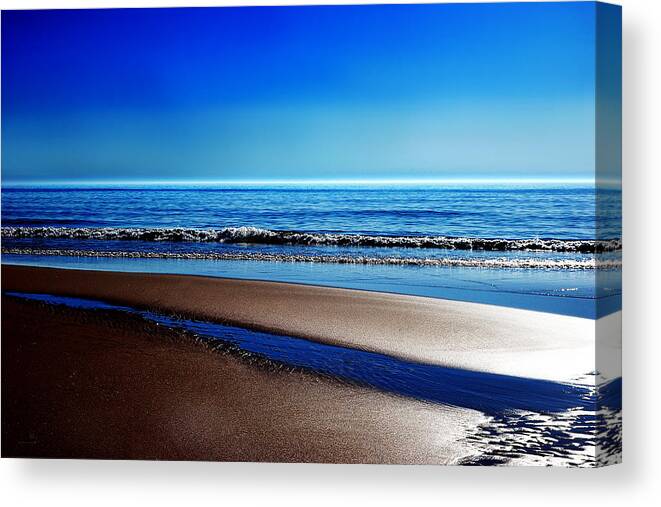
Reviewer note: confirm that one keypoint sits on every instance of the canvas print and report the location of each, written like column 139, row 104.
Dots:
column 337, row 234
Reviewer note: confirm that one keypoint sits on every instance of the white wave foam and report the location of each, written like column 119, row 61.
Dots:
column 492, row 263
column 266, row 236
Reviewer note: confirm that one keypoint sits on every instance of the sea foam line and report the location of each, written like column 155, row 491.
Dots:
column 273, row 237
column 496, row 263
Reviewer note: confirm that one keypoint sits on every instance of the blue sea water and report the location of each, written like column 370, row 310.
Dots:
column 486, row 211
column 528, row 246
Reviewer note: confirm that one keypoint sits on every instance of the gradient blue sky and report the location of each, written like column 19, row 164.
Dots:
column 435, row 91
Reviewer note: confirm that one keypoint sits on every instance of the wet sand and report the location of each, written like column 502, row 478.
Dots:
column 449, row 333
column 80, row 384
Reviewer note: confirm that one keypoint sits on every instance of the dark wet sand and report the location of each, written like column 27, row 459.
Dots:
column 79, row 384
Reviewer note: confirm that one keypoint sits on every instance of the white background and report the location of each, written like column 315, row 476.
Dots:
column 636, row 482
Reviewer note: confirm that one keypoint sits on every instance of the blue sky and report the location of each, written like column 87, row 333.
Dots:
column 437, row 91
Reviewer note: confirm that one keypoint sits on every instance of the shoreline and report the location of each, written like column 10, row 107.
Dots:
column 524, row 263
column 442, row 332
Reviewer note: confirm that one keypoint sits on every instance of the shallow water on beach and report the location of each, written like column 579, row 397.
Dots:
column 528, row 421
column 568, row 292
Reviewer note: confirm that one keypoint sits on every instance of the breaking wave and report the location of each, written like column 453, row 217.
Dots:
column 493, row 263
column 272, row 237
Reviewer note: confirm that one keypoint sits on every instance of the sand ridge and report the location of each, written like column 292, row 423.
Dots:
column 450, row 333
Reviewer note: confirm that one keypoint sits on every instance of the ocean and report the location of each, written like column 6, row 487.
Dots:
column 532, row 246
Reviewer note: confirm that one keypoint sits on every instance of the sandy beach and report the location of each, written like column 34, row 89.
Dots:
column 81, row 383
column 448, row 333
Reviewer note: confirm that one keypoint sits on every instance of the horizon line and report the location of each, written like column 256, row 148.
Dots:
column 306, row 181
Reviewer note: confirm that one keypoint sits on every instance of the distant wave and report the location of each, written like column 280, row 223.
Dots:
column 272, row 237
column 52, row 222
column 335, row 259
